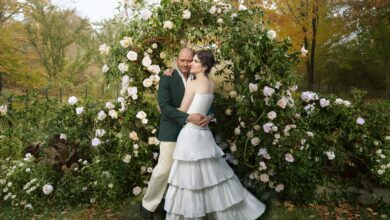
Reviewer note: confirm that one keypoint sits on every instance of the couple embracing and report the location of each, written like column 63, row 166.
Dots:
column 201, row 185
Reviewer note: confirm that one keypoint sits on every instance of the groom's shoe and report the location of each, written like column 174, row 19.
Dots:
column 146, row 214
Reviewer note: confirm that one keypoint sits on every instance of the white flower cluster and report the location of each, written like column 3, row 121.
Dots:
column 153, row 141
column 126, row 42
column 145, row 14
column 142, row 116
column 339, row 101
column 309, row 96
column 220, row 8
column 330, row 154
column 98, row 134
column 104, row 49
column 3, row 109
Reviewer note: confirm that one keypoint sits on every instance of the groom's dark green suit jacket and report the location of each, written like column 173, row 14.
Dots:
column 170, row 94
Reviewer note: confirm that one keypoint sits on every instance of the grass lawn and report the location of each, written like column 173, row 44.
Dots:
column 276, row 211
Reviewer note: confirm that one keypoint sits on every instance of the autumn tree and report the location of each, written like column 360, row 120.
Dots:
column 51, row 32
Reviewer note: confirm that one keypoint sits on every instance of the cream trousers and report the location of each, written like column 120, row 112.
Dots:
column 159, row 179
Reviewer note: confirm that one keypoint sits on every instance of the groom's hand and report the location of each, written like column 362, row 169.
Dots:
column 195, row 118
column 168, row 72
column 205, row 121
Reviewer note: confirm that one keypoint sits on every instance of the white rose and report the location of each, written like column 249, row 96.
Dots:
column 105, row 68
column 233, row 94
column 304, row 51
column 141, row 115
column 186, row 14
column 163, row 55
column 101, row 115
column 220, row 21
column 168, row 25
column 145, row 121
column 153, row 141
column 79, row 110
column 213, row 9
column 310, row 134
column 268, row 91
column 132, row 91
column 146, row 61
column 360, row 121
column 380, row 172
column 63, row 136
column 228, row 111
column 123, row 67
column 339, row 101
column 237, row 131
column 154, row 69
column 109, row 105
column 264, row 177
column 253, row 87
column 271, row 34
column 72, row 100
column 137, row 190
column 271, row 115
column 330, row 155
column 147, row 82
column 347, row 103
column 324, row 103
column 263, row 166
column 154, row 45
column 126, row 42
column 132, row 56
column 133, row 136
column 113, row 114
column 289, row 157
column 282, row 102
column 255, row 141
column 104, row 49
column 242, row 8
column 3, row 109
column 47, row 189
column 145, row 14
column 279, row 187
column 268, row 127
column 135, row 146
column 96, row 142
column 127, row 158
column 100, row 132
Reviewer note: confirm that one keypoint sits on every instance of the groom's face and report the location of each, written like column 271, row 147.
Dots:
column 184, row 61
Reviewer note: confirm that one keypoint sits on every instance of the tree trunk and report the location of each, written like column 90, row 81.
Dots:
column 1, row 81
column 314, row 23
column 387, row 74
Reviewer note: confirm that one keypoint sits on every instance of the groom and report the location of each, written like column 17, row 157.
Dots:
column 170, row 94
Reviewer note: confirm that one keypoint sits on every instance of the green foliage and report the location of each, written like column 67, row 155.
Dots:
column 282, row 143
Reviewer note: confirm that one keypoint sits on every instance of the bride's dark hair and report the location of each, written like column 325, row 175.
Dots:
column 206, row 59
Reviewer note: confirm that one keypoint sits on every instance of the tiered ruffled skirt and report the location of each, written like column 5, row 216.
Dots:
column 202, row 185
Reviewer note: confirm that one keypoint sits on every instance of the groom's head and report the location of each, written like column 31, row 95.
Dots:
column 184, row 60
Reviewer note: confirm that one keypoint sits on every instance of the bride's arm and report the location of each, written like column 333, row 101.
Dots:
column 188, row 97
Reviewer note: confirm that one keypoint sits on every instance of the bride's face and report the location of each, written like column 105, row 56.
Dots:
column 196, row 66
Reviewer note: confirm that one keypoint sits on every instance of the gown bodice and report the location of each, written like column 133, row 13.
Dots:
column 201, row 103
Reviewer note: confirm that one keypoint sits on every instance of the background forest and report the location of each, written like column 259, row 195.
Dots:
column 43, row 47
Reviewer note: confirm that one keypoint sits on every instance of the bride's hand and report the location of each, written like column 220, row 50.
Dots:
column 195, row 118
column 168, row 72
column 205, row 121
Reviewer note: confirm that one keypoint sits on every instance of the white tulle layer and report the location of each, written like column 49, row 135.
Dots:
column 201, row 183
column 195, row 144
column 248, row 209
column 199, row 174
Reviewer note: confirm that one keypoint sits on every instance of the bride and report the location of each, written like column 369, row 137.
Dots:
column 201, row 183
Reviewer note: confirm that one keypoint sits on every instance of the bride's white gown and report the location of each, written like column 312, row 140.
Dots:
column 201, row 183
